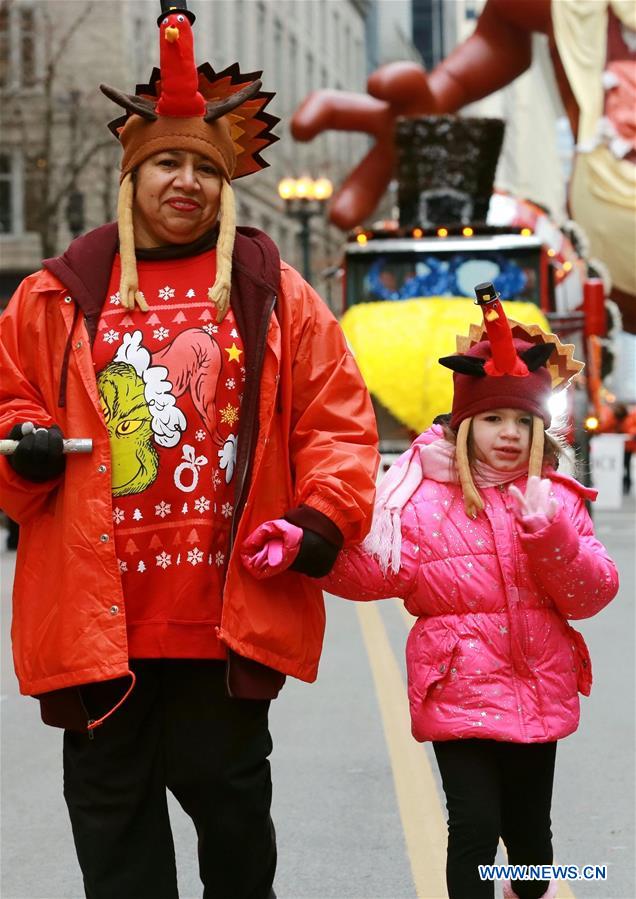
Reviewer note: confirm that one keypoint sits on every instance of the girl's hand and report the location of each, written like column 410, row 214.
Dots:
column 537, row 508
column 271, row 548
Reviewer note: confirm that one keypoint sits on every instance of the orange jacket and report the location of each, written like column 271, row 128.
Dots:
column 316, row 447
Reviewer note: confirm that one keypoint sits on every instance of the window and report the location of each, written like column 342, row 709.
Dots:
column 6, row 195
column 244, row 213
column 139, row 31
column 293, row 66
column 5, row 43
column 18, row 46
column 337, row 38
column 279, row 63
column 311, row 74
column 239, row 25
column 11, row 221
column 27, row 46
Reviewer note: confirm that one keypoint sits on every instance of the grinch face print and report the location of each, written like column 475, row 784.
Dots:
column 129, row 423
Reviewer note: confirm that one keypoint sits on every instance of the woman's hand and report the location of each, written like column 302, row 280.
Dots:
column 537, row 508
column 271, row 548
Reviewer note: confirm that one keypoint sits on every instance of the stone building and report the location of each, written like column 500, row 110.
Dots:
column 58, row 163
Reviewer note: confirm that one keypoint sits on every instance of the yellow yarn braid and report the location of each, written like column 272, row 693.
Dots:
column 129, row 292
column 473, row 502
column 535, row 463
column 219, row 293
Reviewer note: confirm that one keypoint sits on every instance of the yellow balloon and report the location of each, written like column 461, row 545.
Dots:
column 397, row 344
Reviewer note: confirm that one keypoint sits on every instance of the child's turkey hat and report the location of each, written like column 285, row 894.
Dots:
column 184, row 107
column 505, row 364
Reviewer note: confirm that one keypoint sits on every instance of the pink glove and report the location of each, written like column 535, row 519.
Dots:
column 271, row 548
column 537, row 508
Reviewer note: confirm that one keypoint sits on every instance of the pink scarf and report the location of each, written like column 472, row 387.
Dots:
column 429, row 456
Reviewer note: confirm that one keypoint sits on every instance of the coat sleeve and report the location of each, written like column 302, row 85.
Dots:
column 333, row 436
column 571, row 565
column 21, row 400
column 358, row 575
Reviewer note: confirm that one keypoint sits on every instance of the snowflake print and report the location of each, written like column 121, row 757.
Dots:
column 123, row 566
column 230, row 383
column 162, row 509
column 216, row 478
column 166, row 293
column 200, row 435
column 210, row 329
column 195, row 556
column 118, row 515
column 219, row 559
column 226, row 510
column 163, row 560
column 161, row 333
column 202, row 504
column 111, row 336
column 229, row 415
column 115, row 299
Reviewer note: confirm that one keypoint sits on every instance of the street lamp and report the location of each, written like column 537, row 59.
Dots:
column 303, row 199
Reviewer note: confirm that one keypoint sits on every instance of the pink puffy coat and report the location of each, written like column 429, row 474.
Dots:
column 492, row 654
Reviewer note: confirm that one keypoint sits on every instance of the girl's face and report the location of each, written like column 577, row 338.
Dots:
column 177, row 196
column 501, row 438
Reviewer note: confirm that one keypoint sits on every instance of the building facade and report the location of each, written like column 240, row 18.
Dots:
column 58, row 162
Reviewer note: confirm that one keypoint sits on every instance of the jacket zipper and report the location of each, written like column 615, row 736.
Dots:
column 260, row 350
column 259, row 354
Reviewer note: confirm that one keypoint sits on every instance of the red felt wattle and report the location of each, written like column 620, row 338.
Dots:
column 504, row 359
column 179, row 77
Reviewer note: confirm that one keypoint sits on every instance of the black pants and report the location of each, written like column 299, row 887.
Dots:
column 177, row 730
column 494, row 790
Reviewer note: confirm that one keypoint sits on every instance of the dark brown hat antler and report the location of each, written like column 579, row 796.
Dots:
column 130, row 102
column 217, row 108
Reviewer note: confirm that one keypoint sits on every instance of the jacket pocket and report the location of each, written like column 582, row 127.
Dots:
column 581, row 661
column 429, row 656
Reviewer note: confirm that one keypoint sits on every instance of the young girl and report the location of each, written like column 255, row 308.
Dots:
column 493, row 552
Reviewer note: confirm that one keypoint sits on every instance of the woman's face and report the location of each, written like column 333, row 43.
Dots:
column 177, row 197
column 501, row 438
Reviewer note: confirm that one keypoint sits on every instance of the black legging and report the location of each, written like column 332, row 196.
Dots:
column 495, row 789
column 178, row 730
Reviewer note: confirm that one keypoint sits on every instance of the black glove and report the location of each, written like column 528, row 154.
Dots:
column 39, row 454
column 316, row 555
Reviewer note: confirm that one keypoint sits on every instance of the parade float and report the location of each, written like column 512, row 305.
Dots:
column 407, row 283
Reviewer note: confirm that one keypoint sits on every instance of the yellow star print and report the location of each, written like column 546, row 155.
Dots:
column 233, row 353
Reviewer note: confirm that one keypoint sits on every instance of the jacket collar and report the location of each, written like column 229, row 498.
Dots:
column 85, row 267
